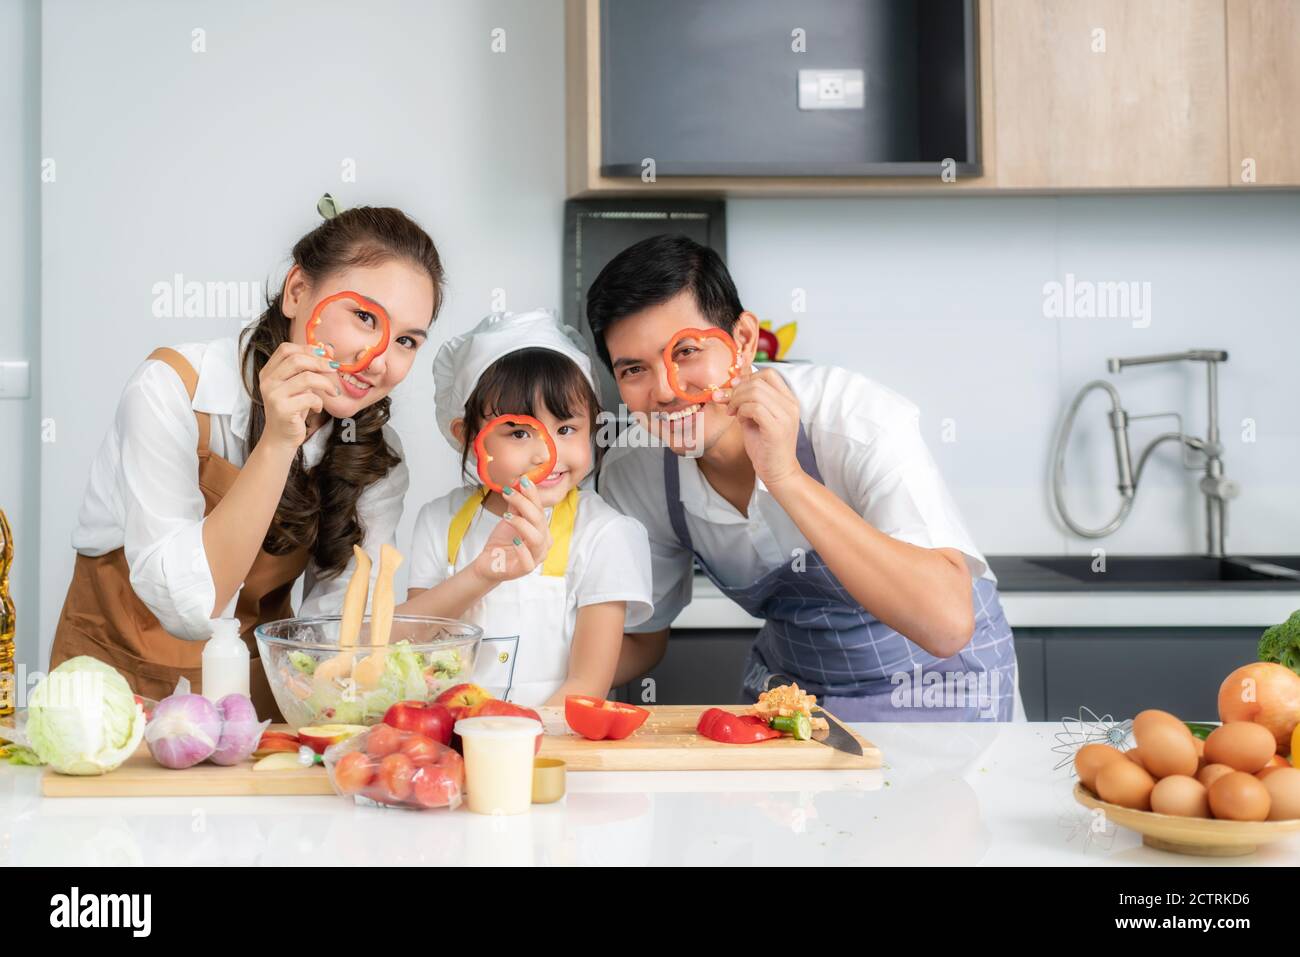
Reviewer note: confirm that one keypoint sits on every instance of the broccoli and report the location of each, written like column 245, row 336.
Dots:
column 1281, row 643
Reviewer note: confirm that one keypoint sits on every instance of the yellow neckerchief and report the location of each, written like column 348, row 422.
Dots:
column 563, row 517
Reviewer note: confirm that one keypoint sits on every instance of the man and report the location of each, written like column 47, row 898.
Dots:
column 810, row 499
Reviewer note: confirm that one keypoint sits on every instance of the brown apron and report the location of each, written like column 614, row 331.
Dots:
column 104, row 618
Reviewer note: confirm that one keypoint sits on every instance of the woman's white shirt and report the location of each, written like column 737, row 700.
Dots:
column 143, row 495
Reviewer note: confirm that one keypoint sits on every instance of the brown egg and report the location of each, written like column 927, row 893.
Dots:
column 1200, row 752
column 1167, row 746
column 1265, row 771
column 1126, row 784
column 1241, row 745
column 1152, row 717
column 1239, row 797
column 1211, row 773
column 1180, row 795
column 1089, row 759
column 1283, row 787
column 1135, row 755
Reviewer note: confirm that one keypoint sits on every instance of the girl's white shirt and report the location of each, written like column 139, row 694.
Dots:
column 609, row 558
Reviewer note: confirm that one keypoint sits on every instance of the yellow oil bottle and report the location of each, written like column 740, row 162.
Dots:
column 7, row 624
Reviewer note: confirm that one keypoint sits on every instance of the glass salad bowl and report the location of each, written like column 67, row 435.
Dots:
column 314, row 682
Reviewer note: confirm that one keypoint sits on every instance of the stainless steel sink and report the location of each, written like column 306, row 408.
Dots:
column 1169, row 570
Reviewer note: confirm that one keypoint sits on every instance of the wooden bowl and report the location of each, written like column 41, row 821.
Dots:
column 1206, row 837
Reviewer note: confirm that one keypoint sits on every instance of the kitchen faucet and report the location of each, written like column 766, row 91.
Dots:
column 1217, row 489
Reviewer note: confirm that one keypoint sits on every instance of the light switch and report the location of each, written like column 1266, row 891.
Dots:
column 15, row 380
column 832, row 89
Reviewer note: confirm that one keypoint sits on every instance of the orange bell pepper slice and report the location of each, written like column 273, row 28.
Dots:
column 368, row 354
column 713, row 332
column 481, row 453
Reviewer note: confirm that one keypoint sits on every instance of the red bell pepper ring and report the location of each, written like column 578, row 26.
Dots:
column 368, row 354
column 481, row 453
column 599, row 720
column 713, row 332
column 728, row 728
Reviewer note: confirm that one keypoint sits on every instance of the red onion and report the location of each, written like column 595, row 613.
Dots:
column 240, row 730
column 184, row 730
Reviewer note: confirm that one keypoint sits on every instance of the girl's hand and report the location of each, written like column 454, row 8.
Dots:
column 519, row 542
column 295, row 383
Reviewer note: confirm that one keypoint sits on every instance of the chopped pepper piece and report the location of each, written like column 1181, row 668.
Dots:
column 599, row 720
column 728, row 728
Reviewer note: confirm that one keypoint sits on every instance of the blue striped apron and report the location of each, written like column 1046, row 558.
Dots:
column 815, row 633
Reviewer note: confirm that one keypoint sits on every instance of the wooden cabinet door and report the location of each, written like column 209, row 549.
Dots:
column 1110, row 94
column 1264, row 92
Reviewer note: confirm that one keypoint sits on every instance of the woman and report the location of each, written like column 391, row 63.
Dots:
column 225, row 475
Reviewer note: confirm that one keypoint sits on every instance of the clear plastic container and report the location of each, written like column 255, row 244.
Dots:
column 498, row 763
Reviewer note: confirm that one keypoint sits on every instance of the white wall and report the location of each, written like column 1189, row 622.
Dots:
column 942, row 300
column 20, row 280
column 210, row 165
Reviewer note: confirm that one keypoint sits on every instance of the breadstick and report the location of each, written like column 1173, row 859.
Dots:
column 354, row 609
column 369, row 671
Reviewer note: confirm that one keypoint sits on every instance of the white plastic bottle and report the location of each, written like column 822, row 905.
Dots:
column 225, row 661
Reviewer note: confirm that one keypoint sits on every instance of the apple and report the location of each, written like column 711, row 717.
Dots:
column 430, row 719
column 321, row 736
column 273, row 742
column 459, row 699
column 496, row 708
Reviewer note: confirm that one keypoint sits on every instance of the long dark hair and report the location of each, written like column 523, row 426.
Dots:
column 517, row 381
column 318, row 509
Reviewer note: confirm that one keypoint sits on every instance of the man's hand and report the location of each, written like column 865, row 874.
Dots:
column 768, row 413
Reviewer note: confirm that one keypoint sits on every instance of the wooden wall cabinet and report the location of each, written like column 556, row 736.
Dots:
column 1110, row 94
column 1075, row 95
column 1263, row 92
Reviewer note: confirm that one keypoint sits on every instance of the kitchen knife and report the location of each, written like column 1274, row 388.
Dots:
column 839, row 736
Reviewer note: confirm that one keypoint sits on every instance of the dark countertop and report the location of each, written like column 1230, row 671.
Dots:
column 1137, row 573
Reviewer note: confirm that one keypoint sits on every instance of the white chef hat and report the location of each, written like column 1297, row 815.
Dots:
column 462, row 360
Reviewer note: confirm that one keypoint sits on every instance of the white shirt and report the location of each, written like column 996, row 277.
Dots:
column 609, row 556
column 143, row 494
column 867, row 442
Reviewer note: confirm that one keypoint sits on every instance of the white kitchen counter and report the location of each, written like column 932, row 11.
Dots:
column 948, row 794
column 709, row 608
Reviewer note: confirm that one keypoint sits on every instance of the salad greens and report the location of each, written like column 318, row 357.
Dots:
column 408, row 675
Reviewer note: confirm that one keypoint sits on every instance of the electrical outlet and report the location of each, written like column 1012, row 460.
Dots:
column 832, row 89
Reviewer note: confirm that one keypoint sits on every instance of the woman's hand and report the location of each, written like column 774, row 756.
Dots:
column 295, row 383
column 519, row 542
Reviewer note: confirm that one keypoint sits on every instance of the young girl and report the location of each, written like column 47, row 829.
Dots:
column 549, row 571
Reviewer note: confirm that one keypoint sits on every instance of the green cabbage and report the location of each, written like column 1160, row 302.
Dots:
column 83, row 719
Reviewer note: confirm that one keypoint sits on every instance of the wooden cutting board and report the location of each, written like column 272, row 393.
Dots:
column 666, row 742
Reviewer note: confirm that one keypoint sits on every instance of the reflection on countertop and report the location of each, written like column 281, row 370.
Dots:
column 948, row 794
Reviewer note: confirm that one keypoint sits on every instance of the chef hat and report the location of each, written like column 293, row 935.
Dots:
column 461, row 361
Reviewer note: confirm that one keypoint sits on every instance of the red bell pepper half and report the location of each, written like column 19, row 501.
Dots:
column 599, row 720
column 729, row 728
